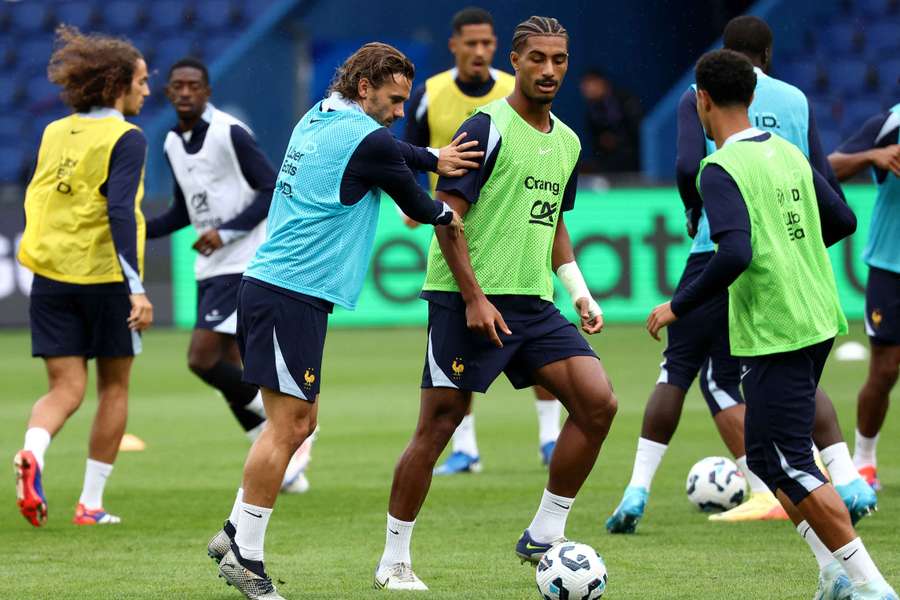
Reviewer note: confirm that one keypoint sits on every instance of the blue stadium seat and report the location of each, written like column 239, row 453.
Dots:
column 872, row 8
column 803, row 74
column 822, row 109
column 34, row 54
column 166, row 16
column 213, row 15
column 81, row 14
column 12, row 161
column 169, row 51
column 888, row 73
column 29, row 17
column 846, row 76
column 882, row 38
column 10, row 130
column 857, row 112
column 124, row 16
column 841, row 38
column 9, row 90
column 214, row 46
column 40, row 90
column 7, row 53
column 830, row 138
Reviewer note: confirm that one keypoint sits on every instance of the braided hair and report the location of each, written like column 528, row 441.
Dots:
column 536, row 25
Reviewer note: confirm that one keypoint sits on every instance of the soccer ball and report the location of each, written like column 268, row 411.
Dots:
column 571, row 571
column 715, row 484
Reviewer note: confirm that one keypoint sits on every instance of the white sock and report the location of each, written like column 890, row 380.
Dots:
column 396, row 545
column 251, row 530
column 757, row 485
column 256, row 406
column 646, row 461
column 252, row 434
column 236, row 507
column 95, row 474
column 857, row 563
column 464, row 437
column 841, row 469
column 37, row 439
column 548, row 420
column 822, row 554
column 549, row 523
column 864, row 450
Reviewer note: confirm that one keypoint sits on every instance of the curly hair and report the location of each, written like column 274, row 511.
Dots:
column 376, row 62
column 92, row 70
column 727, row 76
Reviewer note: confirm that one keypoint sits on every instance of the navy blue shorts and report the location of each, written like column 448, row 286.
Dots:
column 81, row 320
column 698, row 343
column 780, row 390
column 883, row 307
column 217, row 303
column 281, row 337
column 459, row 358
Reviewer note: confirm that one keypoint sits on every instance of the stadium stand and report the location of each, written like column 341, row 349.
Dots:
column 164, row 31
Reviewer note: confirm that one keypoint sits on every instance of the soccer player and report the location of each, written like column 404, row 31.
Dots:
column 876, row 146
column 84, row 241
column 436, row 110
column 490, row 301
column 699, row 342
column 223, row 187
column 771, row 216
column 319, row 239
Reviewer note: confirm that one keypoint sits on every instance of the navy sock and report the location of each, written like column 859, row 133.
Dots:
column 226, row 377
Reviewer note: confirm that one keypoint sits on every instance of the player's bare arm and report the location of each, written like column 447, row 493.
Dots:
column 565, row 267
column 481, row 316
column 847, row 165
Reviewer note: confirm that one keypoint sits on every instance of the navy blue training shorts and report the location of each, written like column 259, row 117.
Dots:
column 81, row 320
column 883, row 307
column 217, row 303
column 281, row 336
column 780, row 390
column 459, row 358
column 698, row 344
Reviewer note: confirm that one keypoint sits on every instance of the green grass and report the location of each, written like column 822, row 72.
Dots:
column 324, row 544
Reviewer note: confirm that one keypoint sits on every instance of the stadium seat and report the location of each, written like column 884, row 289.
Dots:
column 822, row 109
column 889, row 73
column 81, row 14
column 883, row 39
column 872, row 8
column 9, row 91
column 857, row 112
column 167, row 16
column 170, row 51
column 846, row 76
column 830, row 139
column 213, row 15
column 841, row 38
column 40, row 90
column 7, row 53
column 29, row 17
column 34, row 54
column 10, row 130
column 124, row 16
column 12, row 162
column 803, row 74
column 213, row 47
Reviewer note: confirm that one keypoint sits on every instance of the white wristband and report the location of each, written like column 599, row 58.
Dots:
column 570, row 276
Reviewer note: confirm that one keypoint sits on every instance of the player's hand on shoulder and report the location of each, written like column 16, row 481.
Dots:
column 409, row 222
column 591, row 315
column 458, row 157
column 141, row 316
column 208, row 242
column 483, row 317
column 660, row 317
column 887, row 158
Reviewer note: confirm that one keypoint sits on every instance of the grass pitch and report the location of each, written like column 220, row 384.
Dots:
column 324, row 544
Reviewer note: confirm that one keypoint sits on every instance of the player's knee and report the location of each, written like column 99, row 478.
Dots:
column 886, row 371
column 201, row 363
column 597, row 419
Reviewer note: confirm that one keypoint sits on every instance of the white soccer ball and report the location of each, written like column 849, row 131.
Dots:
column 571, row 571
column 715, row 484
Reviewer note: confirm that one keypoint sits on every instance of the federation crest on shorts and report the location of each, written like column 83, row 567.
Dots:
column 876, row 318
column 458, row 368
column 309, row 378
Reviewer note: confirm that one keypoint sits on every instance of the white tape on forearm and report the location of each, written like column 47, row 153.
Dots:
column 572, row 279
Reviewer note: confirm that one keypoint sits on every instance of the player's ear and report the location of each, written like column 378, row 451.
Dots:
column 362, row 88
column 451, row 44
column 514, row 60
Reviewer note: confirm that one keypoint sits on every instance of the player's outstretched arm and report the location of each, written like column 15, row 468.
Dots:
column 690, row 150
column 563, row 259
column 453, row 160
column 835, row 216
column 481, row 316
